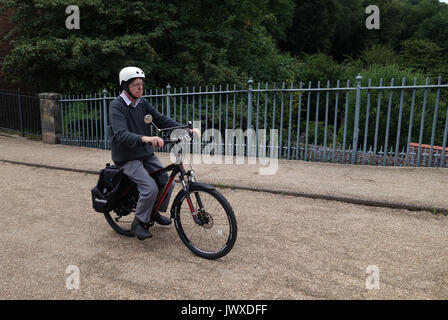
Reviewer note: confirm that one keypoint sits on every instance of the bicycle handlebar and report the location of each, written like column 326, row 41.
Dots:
column 189, row 126
column 179, row 139
column 189, row 134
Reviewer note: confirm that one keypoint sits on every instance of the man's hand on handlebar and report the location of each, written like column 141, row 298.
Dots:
column 155, row 141
column 159, row 142
column 195, row 131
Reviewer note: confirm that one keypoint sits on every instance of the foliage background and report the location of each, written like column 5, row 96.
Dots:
column 213, row 42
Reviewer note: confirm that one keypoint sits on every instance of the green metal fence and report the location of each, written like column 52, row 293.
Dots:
column 352, row 122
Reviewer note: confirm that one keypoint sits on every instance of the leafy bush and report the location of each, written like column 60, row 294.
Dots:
column 421, row 55
column 379, row 54
column 318, row 67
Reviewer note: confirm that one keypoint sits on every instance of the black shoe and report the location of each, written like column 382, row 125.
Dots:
column 140, row 229
column 164, row 221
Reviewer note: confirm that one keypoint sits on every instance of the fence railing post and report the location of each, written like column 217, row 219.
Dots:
column 168, row 113
column 20, row 113
column 105, row 113
column 445, row 135
column 433, row 131
column 251, row 135
column 249, row 104
column 356, row 124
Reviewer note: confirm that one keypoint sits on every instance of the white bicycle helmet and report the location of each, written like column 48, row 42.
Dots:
column 127, row 75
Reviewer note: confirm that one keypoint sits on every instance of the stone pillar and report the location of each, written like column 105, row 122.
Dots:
column 50, row 116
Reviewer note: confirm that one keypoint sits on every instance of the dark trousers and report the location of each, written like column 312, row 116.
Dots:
column 137, row 171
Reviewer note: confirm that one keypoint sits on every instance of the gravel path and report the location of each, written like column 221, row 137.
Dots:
column 287, row 247
column 425, row 187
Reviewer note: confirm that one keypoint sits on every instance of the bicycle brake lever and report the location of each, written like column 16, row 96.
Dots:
column 187, row 137
column 158, row 130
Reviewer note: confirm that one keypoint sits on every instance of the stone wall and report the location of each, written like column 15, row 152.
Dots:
column 50, row 115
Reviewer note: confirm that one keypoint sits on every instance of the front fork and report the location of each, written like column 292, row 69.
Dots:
column 196, row 214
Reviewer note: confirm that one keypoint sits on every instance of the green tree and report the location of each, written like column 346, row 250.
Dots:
column 230, row 45
column 416, row 12
column 348, row 36
column 421, row 55
column 48, row 56
column 279, row 17
column 436, row 29
column 313, row 27
column 351, row 36
column 174, row 41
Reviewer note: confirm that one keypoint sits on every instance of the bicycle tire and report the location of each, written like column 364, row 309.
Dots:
column 186, row 239
column 116, row 227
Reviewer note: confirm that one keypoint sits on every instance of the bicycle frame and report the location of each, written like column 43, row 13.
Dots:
column 175, row 168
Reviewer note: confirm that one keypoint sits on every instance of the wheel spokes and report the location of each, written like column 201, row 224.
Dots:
column 213, row 232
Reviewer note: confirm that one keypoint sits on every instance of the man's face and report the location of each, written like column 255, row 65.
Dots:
column 136, row 88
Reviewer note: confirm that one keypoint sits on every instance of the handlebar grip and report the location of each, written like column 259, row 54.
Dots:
column 169, row 141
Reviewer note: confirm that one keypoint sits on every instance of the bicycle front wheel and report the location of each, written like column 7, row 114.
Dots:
column 211, row 231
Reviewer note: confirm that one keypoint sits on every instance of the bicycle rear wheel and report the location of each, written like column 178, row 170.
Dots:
column 121, row 224
column 212, row 234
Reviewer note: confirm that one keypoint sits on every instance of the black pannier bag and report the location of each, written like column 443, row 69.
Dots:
column 104, row 195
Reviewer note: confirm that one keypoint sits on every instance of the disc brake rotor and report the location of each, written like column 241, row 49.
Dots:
column 207, row 220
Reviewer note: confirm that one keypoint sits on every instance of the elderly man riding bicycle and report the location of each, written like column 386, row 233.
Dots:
column 132, row 146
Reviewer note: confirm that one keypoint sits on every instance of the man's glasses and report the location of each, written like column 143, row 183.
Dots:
column 135, row 85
